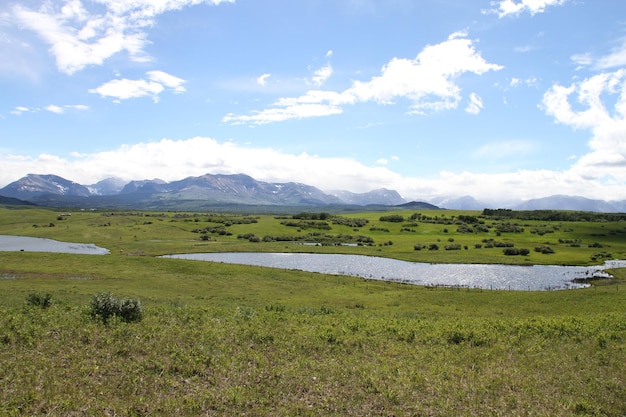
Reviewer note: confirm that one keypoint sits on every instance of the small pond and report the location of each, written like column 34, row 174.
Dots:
column 37, row 244
column 508, row 277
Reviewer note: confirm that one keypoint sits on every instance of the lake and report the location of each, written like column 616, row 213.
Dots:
column 37, row 244
column 509, row 277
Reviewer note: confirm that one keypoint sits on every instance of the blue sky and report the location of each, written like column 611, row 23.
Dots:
column 502, row 100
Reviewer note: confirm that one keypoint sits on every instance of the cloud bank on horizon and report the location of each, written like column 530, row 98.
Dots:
column 500, row 100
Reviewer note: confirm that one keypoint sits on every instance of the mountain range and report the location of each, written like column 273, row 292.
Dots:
column 205, row 190
column 220, row 190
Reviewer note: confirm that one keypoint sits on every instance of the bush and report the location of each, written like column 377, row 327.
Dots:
column 545, row 249
column 516, row 251
column 39, row 300
column 395, row 218
column 104, row 306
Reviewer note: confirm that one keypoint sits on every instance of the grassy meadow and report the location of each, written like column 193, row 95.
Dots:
column 227, row 340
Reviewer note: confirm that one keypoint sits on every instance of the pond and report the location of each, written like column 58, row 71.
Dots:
column 509, row 277
column 37, row 244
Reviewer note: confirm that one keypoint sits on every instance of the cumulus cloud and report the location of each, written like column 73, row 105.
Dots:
column 429, row 82
column 262, row 80
column 475, row 104
column 80, row 36
column 607, row 159
column 512, row 7
column 321, row 75
column 154, row 84
column 175, row 159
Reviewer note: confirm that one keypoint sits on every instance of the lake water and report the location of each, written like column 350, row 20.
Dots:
column 537, row 277
column 36, row 244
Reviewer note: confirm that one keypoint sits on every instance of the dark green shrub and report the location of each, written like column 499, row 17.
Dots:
column 394, row 218
column 39, row 300
column 545, row 249
column 105, row 306
column 516, row 251
column 130, row 310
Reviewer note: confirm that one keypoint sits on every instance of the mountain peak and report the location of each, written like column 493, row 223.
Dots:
column 33, row 185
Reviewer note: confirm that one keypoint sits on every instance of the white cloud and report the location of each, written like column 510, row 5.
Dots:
column 583, row 60
column 167, row 80
column 607, row 159
column 504, row 149
column 79, row 107
column 295, row 111
column 155, row 84
column 176, row 159
column 529, row 82
column 79, row 37
column 475, row 104
column 616, row 58
column 18, row 110
column 428, row 82
column 321, row 75
column 54, row 109
column 262, row 80
column 513, row 7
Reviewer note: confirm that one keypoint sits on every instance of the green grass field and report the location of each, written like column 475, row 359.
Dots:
column 227, row 340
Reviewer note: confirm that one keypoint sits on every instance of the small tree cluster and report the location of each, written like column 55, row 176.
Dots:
column 105, row 306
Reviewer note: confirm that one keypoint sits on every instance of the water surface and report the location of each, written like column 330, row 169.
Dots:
column 536, row 277
column 37, row 244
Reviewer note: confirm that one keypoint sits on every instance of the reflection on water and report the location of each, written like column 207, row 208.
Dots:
column 36, row 244
column 537, row 277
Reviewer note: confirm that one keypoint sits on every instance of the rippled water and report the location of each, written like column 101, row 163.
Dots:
column 537, row 277
column 37, row 244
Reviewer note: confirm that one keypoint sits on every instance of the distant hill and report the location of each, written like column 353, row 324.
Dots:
column 564, row 202
column 460, row 203
column 417, row 205
column 381, row 196
column 10, row 201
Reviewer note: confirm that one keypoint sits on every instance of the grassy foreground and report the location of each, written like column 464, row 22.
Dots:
column 232, row 340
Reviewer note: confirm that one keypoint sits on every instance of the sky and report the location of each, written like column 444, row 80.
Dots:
column 502, row 100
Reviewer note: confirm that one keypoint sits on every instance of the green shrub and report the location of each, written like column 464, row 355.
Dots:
column 394, row 218
column 516, row 251
column 39, row 300
column 105, row 306
column 545, row 249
